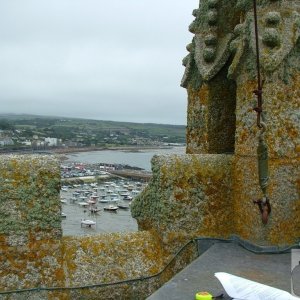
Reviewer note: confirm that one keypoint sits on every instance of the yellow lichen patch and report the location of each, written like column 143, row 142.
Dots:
column 110, row 257
column 286, row 232
column 283, row 196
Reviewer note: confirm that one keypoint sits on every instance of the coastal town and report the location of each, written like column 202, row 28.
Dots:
column 41, row 133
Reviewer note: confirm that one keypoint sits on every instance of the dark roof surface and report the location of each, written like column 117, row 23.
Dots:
column 269, row 269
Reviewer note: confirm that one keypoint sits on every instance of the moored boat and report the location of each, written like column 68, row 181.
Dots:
column 111, row 208
column 123, row 206
column 88, row 223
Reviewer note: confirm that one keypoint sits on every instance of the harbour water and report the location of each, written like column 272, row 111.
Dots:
column 106, row 221
column 140, row 159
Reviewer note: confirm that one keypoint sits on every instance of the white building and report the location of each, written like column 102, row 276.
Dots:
column 27, row 143
column 6, row 142
column 51, row 142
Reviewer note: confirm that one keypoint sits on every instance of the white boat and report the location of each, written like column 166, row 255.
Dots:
column 64, row 201
column 91, row 201
column 103, row 201
column 63, row 215
column 111, row 208
column 88, row 223
column 123, row 194
column 84, row 204
column 130, row 187
column 123, row 206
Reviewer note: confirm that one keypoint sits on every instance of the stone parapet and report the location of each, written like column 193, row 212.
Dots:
column 210, row 195
column 29, row 198
column 38, row 263
column 30, row 222
column 188, row 196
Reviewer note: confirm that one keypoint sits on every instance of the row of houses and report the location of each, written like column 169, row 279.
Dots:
column 8, row 138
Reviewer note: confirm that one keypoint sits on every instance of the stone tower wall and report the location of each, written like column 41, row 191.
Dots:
column 220, row 77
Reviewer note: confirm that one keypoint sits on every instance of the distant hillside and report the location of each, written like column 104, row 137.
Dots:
column 86, row 132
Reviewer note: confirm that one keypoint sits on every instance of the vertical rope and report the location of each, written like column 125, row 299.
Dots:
column 258, row 91
column 262, row 149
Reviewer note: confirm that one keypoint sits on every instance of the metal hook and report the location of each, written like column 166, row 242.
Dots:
column 264, row 207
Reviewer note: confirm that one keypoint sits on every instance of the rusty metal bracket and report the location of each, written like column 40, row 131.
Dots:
column 264, row 208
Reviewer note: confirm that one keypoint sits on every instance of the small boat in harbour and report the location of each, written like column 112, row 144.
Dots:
column 123, row 206
column 104, row 201
column 87, row 223
column 111, row 208
column 91, row 201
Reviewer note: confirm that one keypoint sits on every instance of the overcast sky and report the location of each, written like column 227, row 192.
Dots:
column 100, row 59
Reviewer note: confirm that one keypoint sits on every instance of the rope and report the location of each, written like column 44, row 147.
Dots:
column 262, row 149
column 258, row 92
column 262, row 158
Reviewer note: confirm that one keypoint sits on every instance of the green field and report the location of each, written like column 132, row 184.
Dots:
column 94, row 132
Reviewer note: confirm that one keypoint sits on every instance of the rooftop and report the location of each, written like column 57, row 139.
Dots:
column 270, row 269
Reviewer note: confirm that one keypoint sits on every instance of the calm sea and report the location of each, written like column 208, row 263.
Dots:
column 139, row 159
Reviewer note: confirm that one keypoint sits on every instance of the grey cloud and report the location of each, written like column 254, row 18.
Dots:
column 114, row 59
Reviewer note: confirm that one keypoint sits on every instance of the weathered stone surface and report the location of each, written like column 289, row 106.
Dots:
column 283, row 227
column 111, row 257
column 207, row 192
column 220, row 78
column 29, row 198
column 282, row 117
column 30, row 222
column 189, row 196
column 34, row 255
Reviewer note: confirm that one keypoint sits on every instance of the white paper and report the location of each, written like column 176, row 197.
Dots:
column 244, row 289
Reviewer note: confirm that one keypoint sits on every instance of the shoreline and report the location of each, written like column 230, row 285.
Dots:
column 124, row 149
